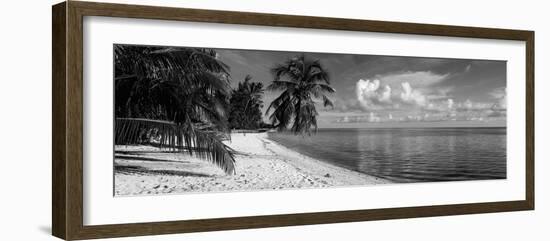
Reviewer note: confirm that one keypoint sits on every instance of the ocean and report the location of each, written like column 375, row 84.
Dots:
column 408, row 155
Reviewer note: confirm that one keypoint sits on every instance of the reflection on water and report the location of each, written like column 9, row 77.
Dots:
column 409, row 155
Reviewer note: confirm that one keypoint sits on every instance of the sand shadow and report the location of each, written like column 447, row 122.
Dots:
column 141, row 158
column 144, row 152
column 139, row 170
column 141, row 153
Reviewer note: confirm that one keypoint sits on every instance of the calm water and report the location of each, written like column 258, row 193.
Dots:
column 409, row 155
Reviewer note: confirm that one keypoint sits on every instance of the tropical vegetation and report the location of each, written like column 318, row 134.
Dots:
column 302, row 82
column 245, row 105
column 173, row 98
column 181, row 99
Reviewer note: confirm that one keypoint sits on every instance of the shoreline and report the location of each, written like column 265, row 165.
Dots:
column 261, row 164
column 300, row 160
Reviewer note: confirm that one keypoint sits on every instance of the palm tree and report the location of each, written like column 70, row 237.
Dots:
column 173, row 98
column 246, row 103
column 254, row 92
column 302, row 82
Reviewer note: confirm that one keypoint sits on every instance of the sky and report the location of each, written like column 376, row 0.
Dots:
column 392, row 91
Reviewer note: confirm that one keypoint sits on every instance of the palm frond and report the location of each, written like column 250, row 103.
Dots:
column 317, row 73
column 305, row 117
column 203, row 79
column 278, row 101
column 287, row 70
column 327, row 102
column 174, row 58
column 173, row 97
column 281, row 85
column 199, row 142
column 283, row 113
column 319, row 90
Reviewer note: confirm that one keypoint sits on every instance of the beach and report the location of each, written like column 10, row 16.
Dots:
column 261, row 164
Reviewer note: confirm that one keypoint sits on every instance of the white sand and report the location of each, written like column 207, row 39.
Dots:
column 261, row 164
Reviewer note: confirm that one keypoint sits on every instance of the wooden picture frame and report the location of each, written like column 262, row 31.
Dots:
column 67, row 123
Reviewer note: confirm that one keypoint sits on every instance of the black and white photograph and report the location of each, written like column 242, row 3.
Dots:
column 271, row 120
column 196, row 120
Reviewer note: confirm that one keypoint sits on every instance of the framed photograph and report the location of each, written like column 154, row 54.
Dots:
column 171, row 120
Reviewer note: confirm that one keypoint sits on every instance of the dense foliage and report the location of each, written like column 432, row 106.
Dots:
column 175, row 98
column 245, row 105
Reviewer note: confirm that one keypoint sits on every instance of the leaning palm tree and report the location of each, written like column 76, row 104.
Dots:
column 302, row 82
column 173, row 98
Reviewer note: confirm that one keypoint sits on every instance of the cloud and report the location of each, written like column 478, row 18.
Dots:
column 376, row 94
column 371, row 96
column 468, row 110
column 371, row 117
column 499, row 94
column 385, row 97
column 469, row 105
column 395, row 90
column 498, row 109
column 417, row 97
column 417, row 78
column 439, row 93
column 446, row 106
column 450, row 103
column 435, row 111
column 412, row 96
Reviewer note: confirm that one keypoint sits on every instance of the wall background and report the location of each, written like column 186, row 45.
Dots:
column 25, row 118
